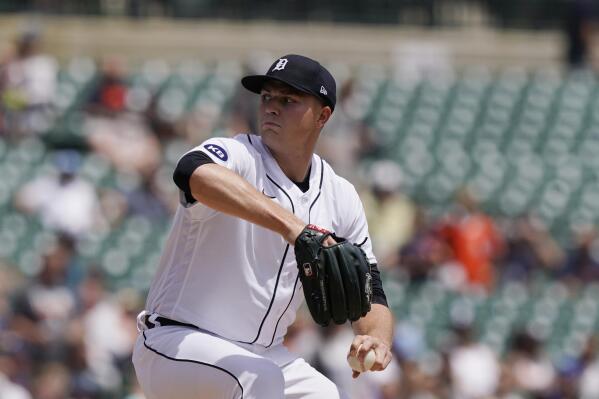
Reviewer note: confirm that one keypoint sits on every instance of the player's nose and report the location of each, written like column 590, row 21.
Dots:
column 271, row 106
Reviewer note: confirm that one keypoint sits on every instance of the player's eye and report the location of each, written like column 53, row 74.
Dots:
column 265, row 97
column 289, row 100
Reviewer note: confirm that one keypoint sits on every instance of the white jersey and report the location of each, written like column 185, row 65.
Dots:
column 234, row 278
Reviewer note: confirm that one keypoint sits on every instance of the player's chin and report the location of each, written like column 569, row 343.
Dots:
column 269, row 130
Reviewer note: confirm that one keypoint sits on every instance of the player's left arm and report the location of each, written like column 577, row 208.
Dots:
column 375, row 330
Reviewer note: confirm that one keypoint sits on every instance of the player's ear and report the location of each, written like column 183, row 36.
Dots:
column 325, row 115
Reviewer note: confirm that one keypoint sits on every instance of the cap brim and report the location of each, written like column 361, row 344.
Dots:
column 254, row 83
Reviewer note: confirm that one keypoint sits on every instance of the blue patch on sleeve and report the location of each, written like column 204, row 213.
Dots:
column 218, row 151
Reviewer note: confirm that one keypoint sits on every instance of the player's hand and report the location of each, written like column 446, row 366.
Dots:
column 362, row 344
column 294, row 231
column 329, row 241
column 297, row 229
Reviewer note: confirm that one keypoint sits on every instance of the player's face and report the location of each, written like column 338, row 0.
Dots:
column 288, row 115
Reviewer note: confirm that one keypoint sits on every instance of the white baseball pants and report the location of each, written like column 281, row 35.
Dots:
column 173, row 362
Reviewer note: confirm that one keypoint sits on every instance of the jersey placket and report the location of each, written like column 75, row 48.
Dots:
column 303, row 207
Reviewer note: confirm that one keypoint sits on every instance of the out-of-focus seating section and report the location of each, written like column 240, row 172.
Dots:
column 522, row 140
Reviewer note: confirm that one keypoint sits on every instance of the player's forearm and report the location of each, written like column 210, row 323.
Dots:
column 225, row 191
column 377, row 323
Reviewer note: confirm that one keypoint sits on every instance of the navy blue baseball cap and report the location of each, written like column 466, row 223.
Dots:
column 299, row 72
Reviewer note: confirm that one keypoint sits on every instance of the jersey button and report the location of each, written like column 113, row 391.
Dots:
column 304, row 200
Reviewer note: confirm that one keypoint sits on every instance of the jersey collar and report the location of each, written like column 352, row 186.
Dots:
column 278, row 175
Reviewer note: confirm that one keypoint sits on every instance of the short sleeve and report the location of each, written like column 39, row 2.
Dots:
column 227, row 152
column 354, row 225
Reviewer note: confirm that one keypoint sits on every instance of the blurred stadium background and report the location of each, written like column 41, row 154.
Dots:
column 471, row 129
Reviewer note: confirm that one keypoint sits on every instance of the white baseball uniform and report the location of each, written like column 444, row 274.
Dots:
column 237, row 283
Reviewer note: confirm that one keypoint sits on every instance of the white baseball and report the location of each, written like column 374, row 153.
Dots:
column 369, row 359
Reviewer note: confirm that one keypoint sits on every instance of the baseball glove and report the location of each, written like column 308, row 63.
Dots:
column 336, row 279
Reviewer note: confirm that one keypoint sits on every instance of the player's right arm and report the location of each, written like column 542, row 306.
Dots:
column 225, row 191
column 212, row 174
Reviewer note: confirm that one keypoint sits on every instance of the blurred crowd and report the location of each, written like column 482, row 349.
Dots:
column 462, row 367
column 65, row 335
column 65, row 332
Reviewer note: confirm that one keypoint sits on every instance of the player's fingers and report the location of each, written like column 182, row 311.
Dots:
column 367, row 344
column 383, row 357
column 329, row 241
column 380, row 351
column 379, row 360
column 355, row 345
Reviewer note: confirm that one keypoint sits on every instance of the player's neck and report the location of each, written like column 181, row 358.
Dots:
column 293, row 164
column 294, row 161
column 294, row 157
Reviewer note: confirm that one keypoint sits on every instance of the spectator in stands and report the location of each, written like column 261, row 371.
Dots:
column 582, row 259
column 83, row 383
column 531, row 372
column 63, row 201
column 589, row 377
column 8, row 367
column 14, row 365
column 9, row 279
column 474, row 367
column 64, row 252
column 422, row 380
column 53, row 382
column 27, row 88
column 475, row 241
column 43, row 308
column 424, row 253
column 112, row 130
column 577, row 376
column 390, row 213
column 103, row 348
column 113, row 206
column 567, row 376
column 530, row 248
column 109, row 95
column 149, row 200
column 422, row 373
column 59, row 346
